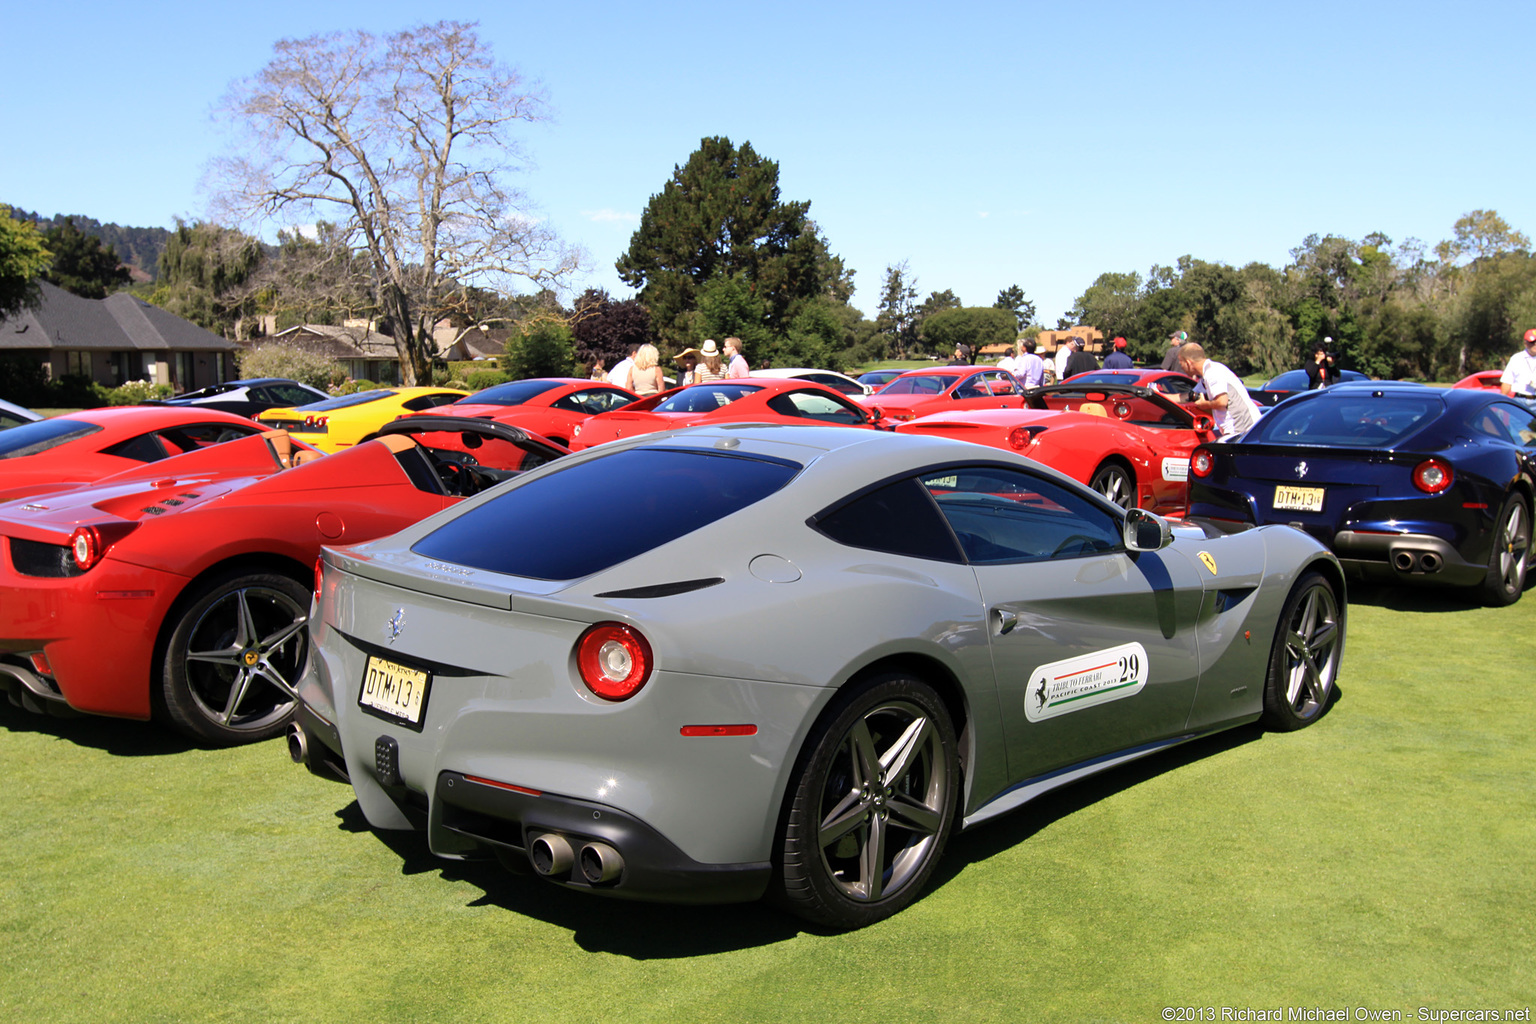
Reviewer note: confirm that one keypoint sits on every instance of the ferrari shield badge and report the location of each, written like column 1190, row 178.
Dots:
column 1209, row 561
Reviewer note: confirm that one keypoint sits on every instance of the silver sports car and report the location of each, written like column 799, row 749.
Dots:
column 724, row 662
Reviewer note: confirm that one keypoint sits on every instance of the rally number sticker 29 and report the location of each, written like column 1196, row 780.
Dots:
column 1085, row 681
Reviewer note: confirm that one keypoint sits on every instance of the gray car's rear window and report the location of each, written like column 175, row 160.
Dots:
column 597, row 514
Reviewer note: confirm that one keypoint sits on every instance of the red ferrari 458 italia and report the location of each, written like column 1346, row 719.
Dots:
column 1131, row 444
column 945, row 389
column 66, row 451
column 743, row 400
column 552, row 407
column 181, row 590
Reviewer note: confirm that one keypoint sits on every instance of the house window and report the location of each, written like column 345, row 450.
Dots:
column 77, row 363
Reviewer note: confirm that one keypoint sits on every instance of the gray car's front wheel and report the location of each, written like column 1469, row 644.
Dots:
column 234, row 657
column 1304, row 661
column 872, row 804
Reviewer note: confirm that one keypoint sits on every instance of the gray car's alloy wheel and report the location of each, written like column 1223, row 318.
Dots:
column 872, row 804
column 1115, row 483
column 1510, row 559
column 1304, row 660
column 234, row 658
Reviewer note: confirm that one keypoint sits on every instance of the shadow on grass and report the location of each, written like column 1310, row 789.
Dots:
column 655, row 931
column 120, row 737
column 1414, row 599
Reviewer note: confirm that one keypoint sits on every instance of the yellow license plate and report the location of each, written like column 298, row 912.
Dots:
column 394, row 691
column 1298, row 499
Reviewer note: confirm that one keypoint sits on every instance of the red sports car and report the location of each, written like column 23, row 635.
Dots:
column 552, row 407
column 945, row 388
column 1485, row 379
column 1130, row 444
column 1169, row 382
column 64, row 452
column 181, row 590
column 743, row 400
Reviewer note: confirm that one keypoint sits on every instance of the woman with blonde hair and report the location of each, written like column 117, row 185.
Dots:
column 645, row 376
column 710, row 367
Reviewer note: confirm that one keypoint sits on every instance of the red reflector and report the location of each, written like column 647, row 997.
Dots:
column 1474, row 504
column 40, row 664
column 719, row 730
column 123, row 595
column 503, row 785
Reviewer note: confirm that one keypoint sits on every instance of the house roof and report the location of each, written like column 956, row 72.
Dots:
column 119, row 322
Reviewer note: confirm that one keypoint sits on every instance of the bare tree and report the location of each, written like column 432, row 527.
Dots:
column 405, row 142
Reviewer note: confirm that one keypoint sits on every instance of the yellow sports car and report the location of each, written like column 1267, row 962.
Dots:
column 341, row 422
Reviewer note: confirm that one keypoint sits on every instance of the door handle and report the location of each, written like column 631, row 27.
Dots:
column 1004, row 621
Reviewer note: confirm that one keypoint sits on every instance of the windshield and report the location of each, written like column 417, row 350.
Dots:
column 31, row 438
column 562, row 526
column 706, row 397
column 361, row 398
column 1347, row 418
column 515, row 393
column 917, row 384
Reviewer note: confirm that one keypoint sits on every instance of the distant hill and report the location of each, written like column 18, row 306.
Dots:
column 138, row 248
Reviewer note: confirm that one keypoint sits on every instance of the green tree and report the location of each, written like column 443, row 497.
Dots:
column 275, row 359
column 408, row 141
column 81, row 264
column 23, row 258
column 971, row 326
column 1111, row 304
column 720, row 216
column 896, row 316
column 544, row 348
column 1012, row 299
column 201, row 275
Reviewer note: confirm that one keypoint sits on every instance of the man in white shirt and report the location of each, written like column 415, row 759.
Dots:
column 620, row 373
column 1228, row 401
column 1031, row 368
column 1519, row 377
column 1063, row 353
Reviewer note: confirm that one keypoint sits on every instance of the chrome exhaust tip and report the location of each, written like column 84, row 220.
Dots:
column 600, row 863
column 1430, row 562
column 1402, row 561
column 551, row 854
column 298, row 744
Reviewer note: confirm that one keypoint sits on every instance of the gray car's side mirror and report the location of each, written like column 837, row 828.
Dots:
column 1145, row 531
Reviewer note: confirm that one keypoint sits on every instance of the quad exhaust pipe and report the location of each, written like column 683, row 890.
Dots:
column 553, row 856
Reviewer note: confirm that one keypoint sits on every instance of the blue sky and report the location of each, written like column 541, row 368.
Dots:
column 986, row 144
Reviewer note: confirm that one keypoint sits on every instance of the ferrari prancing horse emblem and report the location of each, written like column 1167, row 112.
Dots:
column 1208, row 561
column 395, row 626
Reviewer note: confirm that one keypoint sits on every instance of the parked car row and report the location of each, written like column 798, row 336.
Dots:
column 754, row 637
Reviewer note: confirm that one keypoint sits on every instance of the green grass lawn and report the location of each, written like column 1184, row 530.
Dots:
column 1384, row 858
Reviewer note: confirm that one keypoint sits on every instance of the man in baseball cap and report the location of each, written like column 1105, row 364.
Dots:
column 1519, row 377
column 1118, row 359
column 1171, row 358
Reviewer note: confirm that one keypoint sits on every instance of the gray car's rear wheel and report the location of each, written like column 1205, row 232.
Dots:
column 1115, row 482
column 234, row 657
column 872, row 804
column 1304, row 660
column 1510, row 559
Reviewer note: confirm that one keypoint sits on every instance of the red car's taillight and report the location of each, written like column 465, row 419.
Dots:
column 1202, row 462
column 1432, row 476
column 88, row 544
column 614, row 660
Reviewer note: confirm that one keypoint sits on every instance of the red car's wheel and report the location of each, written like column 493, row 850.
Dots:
column 1115, row 482
column 234, row 657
